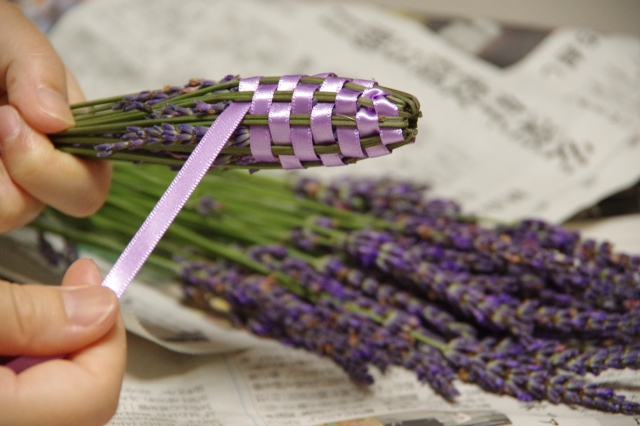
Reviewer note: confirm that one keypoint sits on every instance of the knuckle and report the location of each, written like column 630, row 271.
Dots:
column 24, row 157
column 20, row 315
column 29, row 168
column 92, row 196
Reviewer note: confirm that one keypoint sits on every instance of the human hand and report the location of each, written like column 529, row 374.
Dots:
column 80, row 319
column 35, row 91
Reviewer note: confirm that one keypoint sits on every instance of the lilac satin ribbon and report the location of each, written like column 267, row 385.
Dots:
column 175, row 197
column 321, row 121
column 260, row 136
column 301, row 137
column 165, row 211
column 320, row 131
column 279, row 117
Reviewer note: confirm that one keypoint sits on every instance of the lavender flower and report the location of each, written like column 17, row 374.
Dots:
column 430, row 314
column 386, row 277
column 353, row 341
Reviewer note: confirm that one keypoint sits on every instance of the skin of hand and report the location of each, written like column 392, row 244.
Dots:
column 79, row 318
column 35, row 91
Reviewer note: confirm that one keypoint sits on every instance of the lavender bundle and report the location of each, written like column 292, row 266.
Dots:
column 375, row 274
column 294, row 122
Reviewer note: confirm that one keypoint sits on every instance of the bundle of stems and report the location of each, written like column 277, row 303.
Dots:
column 163, row 126
column 372, row 273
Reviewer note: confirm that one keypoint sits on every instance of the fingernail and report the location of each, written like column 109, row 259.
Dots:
column 10, row 124
column 93, row 272
column 55, row 105
column 88, row 305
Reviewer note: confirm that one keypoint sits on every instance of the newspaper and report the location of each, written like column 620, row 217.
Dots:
column 275, row 386
column 547, row 135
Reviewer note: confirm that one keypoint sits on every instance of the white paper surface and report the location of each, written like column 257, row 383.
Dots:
column 270, row 385
column 623, row 231
column 159, row 317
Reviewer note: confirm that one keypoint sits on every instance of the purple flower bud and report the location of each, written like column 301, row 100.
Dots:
column 186, row 128
column 184, row 138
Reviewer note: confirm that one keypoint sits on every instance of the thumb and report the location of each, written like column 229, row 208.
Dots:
column 42, row 320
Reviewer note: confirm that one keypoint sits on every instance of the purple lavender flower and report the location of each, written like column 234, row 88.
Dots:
column 353, row 341
column 459, row 291
column 430, row 314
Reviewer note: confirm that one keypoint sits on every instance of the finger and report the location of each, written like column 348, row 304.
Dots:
column 18, row 206
column 82, row 272
column 42, row 320
column 70, row 184
column 73, row 89
column 31, row 73
column 74, row 92
column 81, row 390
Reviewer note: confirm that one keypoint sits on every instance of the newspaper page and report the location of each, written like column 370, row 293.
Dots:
column 595, row 71
column 270, row 385
column 506, row 141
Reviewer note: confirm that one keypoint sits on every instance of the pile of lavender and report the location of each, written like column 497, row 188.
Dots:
column 374, row 274
column 307, row 121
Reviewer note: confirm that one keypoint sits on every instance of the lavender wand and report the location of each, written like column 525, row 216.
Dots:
column 295, row 122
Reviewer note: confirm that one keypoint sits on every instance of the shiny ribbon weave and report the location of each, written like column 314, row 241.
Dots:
column 294, row 122
column 278, row 132
column 320, row 131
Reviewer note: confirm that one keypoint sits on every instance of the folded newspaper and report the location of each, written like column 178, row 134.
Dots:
column 546, row 134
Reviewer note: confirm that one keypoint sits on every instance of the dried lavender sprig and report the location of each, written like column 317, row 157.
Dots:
column 277, row 258
column 326, row 328
column 588, row 322
column 600, row 277
column 541, row 353
column 379, row 197
column 567, row 389
column 597, row 358
column 487, row 368
column 526, row 281
column 526, row 371
column 494, row 252
column 462, row 292
column 458, row 291
column 431, row 315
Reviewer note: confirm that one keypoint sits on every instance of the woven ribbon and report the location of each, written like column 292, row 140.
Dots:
column 302, row 139
column 277, row 132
